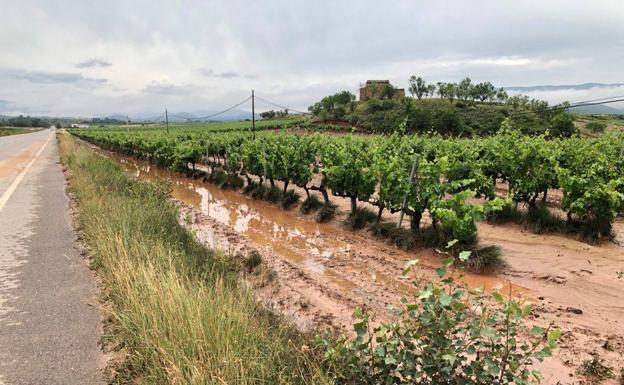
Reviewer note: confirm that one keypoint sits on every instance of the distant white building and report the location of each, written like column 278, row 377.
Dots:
column 79, row 125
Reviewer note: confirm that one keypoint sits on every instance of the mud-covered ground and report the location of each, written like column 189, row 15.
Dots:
column 316, row 274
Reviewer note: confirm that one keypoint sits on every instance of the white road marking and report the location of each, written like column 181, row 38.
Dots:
column 7, row 194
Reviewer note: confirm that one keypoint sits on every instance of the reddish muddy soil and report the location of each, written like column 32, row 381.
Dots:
column 316, row 274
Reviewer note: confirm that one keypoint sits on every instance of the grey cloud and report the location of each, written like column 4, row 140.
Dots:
column 208, row 72
column 168, row 88
column 4, row 104
column 285, row 48
column 43, row 77
column 93, row 63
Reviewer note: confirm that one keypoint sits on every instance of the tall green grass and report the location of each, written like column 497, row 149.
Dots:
column 176, row 309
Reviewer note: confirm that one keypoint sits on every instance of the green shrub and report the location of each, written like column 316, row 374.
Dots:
column 562, row 126
column 458, row 217
column 596, row 127
column 446, row 335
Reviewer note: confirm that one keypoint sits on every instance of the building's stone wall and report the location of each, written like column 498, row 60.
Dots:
column 374, row 89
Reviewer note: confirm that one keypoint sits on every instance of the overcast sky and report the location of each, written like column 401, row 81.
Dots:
column 86, row 58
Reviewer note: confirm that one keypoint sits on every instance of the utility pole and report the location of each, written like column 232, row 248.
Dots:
column 167, row 120
column 410, row 181
column 253, row 114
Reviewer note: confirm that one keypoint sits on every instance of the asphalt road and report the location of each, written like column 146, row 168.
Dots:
column 50, row 322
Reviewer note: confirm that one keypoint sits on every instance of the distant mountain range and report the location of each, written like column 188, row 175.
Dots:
column 598, row 109
column 549, row 87
column 184, row 116
column 593, row 109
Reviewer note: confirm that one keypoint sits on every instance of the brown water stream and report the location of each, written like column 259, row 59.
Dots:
column 300, row 240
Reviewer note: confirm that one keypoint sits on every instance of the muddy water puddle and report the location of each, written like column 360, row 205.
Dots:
column 342, row 257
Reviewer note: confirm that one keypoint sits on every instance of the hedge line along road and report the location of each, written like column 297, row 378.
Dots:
column 49, row 315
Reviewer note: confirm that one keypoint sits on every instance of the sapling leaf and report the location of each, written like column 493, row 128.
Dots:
column 407, row 267
column 464, row 255
column 451, row 243
column 537, row 331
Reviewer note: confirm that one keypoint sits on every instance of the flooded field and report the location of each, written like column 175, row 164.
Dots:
column 324, row 271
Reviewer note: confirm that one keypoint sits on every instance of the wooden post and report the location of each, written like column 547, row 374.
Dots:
column 410, row 181
column 253, row 115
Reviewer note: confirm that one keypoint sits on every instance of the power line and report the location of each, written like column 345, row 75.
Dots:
column 282, row 107
column 595, row 103
column 158, row 120
column 597, row 100
column 212, row 115
column 615, row 99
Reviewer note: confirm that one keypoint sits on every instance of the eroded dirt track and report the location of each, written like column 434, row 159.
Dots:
column 324, row 271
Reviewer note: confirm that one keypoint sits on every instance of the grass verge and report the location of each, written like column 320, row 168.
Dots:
column 175, row 308
column 6, row 131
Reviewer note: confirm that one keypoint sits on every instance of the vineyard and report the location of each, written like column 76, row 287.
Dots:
column 455, row 181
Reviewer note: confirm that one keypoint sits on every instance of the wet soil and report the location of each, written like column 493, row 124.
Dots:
column 13, row 165
column 323, row 271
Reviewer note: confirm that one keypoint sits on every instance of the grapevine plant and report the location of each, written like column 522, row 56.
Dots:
column 375, row 169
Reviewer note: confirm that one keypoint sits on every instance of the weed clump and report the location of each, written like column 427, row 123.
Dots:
column 274, row 195
column 218, row 177
column 483, row 259
column 255, row 190
column 359, row 218
column 234, row 182
column 595, row 369
column 253, row 260
column 289, row 199
column 402, row 238
column 312, row 203
column 541, row 220
column 326, row 213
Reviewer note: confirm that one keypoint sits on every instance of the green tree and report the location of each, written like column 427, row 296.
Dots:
column 418, row 87
column 501, row 95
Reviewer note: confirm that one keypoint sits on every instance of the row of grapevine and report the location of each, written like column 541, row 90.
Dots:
column 375, row 169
